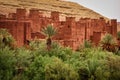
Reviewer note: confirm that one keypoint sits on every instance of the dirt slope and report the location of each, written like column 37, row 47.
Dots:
column 64, row 7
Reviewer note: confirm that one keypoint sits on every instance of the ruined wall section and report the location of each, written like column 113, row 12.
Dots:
column 98, row 28
column 55, row 19
column 114, row 27
column 36, row 21
column 19, row 30
column 2, row 17
column 108, row 27
column 21, row 14
column 70, row 33
column 80, row 31
column 70, row 28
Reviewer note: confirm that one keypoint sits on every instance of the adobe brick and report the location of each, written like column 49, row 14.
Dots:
column 20, row 13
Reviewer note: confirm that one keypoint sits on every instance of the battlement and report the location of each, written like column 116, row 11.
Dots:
column 70, row 19
column 20, row 14
column 114, row 27
column 12, row 16
column 2, row 16
column 55, row 16
column 34, row 13
column 113, row 21
column 71, row 32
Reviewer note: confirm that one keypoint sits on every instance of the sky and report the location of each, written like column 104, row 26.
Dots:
column 108, row 8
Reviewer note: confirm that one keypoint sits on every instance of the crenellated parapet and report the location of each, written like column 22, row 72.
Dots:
column 55, row 16
column 114, row 27
column 28, row 24
column 2, row 17
column 21, row 14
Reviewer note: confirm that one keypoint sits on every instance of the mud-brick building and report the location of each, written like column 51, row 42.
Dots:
column 25, row 26
column 19, row 30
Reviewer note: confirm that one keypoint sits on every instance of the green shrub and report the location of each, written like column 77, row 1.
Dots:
column 118, row 35
column 108, row 39
column 86, row 44
column 7, row 64
column 36, row 69
column 37, row 45
column 62, row 53
column 109, row 43
column 91, row 64
column 56, row 50
column 114, row 67
column 6, row 39
column 60, row 71
column 23, row 59
column 58, row 63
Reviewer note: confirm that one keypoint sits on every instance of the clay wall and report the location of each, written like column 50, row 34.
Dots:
column 114, row 27
column 72, row 33
column 72, row 26
column 17, row 29
column 55, row 20
column 37, row 35
column 60, row 31
column 108, row 28
column 27, row 31
column 96, row 37
column 36, row 21
column 21, row 14
column 80, row 32
column 2, row 16
column 12, row 16
column 55, row 16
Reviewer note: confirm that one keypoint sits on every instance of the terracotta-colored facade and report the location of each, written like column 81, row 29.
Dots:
column 27, row 26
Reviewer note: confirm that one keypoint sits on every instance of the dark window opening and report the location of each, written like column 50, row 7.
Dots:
column 68, row 26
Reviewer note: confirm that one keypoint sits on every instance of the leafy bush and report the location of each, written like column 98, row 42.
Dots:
column 109, row 43
column 7, row 64
column 37, row 45
column 118, row 35
column 59, row 71
column 23, row 59
column 6, row 39
column 56, row 50
column 36, row 68
column 114, row 63
column 86, row 44
column 108, row 39
column 58, row 63
column 91, row 64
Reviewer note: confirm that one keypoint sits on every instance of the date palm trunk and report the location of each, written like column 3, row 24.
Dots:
column 48, row 43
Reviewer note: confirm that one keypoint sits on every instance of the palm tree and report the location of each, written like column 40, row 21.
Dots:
column 49, row 31
column 108, row 42
column 6, row 38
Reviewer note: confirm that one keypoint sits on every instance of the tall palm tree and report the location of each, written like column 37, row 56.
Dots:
column 49, row 31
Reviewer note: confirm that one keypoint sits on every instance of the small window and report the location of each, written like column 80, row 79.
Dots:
column 62, row 23
column 68, row 26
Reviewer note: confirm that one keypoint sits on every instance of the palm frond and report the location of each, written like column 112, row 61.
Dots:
column 108, row 39
column 49, row 31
